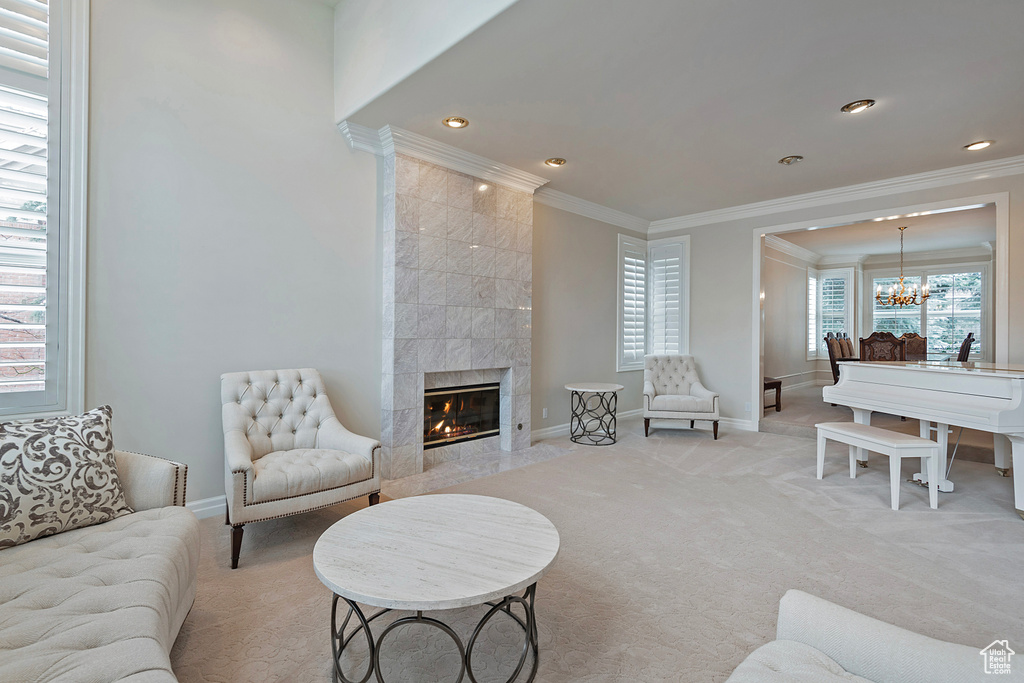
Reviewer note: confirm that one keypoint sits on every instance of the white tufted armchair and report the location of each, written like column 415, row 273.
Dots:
column 285, row 452
column 673, row 390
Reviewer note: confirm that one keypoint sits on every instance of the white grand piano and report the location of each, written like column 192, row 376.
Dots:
column 988, row 397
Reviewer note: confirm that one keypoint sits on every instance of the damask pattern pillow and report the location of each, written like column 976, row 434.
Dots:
column 57, row 474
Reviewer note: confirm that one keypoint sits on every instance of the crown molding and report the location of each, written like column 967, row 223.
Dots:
column 362, row 138
column 843, row 260
column 794, row 250
column 878, row 188
column 978, row 252
column 390, row 140
column 599, row 212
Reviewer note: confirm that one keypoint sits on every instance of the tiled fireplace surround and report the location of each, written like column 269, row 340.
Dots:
column 458, row 271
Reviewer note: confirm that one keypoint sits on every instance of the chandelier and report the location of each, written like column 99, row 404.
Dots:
column 899, row 295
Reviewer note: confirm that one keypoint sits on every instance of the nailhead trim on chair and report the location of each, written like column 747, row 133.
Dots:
column 245, row 492
column 177, row 468
column 318, row 507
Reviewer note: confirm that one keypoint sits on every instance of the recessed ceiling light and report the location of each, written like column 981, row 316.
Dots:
column 792, row 159
column 555, row 162
column 455, row 122
column 482, row 187
column 857, row 107
column 980, row 144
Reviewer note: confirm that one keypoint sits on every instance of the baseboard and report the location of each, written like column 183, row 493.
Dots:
column 800, row 385
column 208, row 507
column 736, row 423
column 563, row 429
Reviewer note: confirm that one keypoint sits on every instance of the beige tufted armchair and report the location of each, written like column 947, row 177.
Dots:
column 285, row 452
column 673, row 390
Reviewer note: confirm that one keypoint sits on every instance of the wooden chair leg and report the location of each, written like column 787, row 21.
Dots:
column 691, row 423
column 374, row 498
column 714, row 428
column 647, row 426
column 236, row 544
column 778, row 399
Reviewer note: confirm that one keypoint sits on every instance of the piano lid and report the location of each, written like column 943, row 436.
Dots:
column 991, row 369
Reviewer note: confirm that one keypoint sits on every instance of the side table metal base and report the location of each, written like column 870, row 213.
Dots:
column 340, row 641
column 593, row 418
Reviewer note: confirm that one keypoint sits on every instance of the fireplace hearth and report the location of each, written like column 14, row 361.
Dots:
column 455, row 414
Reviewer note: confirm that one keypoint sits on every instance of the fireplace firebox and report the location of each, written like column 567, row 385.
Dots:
column 457, row 414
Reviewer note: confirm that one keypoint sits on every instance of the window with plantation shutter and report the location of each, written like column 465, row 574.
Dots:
column 836, row 303
column 632, row 328
column 812, row 314
column 667, row 298
column 653, row 299
column 35, row 232
column 830, row 307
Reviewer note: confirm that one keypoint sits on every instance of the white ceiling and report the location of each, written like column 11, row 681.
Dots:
column 666, row 108
column 954, row 230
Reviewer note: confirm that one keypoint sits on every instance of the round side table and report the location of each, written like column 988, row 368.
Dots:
column 593, row 412
column 429, row 553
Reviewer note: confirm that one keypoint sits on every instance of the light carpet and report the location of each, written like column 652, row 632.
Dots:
column 675, row 552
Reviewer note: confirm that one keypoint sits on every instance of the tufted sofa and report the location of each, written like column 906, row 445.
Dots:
column 672, row 390
column 820, row 642
column 285, row 452
column 104, row 603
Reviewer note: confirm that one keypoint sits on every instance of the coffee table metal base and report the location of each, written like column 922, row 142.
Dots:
column 340, row 641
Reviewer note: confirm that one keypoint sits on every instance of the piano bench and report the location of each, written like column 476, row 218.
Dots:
column 893, row 444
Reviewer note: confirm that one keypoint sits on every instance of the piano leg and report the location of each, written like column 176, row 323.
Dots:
column 1017, row 442
column 942, row 436
column 1001, row 445
column 862, row 417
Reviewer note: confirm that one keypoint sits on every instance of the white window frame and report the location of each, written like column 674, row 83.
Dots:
column 622, row 364
column 684, row 290
column 66, row 220
column 814, row 327
column 984, row 267
column 811, row 320
column 846, row 274
column 646, row 247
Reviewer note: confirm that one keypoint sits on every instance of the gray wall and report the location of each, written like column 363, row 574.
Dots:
column 230, row 227
column 784, row 281
column 575, row 278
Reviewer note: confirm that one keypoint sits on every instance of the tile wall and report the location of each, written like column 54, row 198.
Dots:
column 458, row 271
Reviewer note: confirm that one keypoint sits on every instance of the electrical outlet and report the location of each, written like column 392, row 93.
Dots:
column 746, row 406
column 544, row 413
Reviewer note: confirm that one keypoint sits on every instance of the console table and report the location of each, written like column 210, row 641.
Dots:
column 434, row 552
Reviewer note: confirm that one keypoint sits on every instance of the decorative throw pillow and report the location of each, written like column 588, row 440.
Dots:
column 57, row 474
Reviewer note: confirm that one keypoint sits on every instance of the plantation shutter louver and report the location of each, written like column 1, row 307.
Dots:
column 24, row 255
column 812, row 314
column 666, row 298
column 633, row 265
column 833, row 305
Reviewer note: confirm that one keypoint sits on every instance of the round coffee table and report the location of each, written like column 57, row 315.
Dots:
column 435, row 552
column 593, row 412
